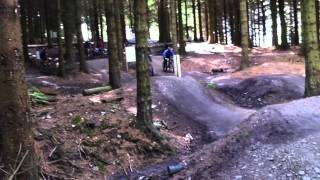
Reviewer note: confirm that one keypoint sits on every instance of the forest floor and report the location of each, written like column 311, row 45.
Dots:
column 203, row 113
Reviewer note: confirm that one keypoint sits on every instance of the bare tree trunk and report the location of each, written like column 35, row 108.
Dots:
column 114, row 62
column 16, row 136
column 173, row 25
column 82, row 59
column 312, row 48
column 274, row 17
column 60, row 41
column 200, row 21
column 182, row 48
column 186, row 18
column 284, row 39
column 163, row 20
column 245, row 34
column 144, row 98
column 119, row 33
column 212, row 23
column 24, row 31
column 195, row 38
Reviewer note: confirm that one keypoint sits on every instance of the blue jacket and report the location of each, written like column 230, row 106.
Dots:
column 164, row 54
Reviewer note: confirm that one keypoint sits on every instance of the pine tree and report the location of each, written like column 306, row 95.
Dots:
column 182, row 48
column 163, row 21
column 16, row 136
column 173, row 25
column 284, row 39
column 274, row 17
column 61, row 50
column 144, row 99
column 311, row 44
column 114, row 62
column 245, row 34
column 80, row 46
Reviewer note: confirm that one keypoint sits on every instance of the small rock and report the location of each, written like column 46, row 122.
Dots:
column 260, row 164
column 270, row 159
column 95, row 168
column 119, row 136
column 103, row 113
column 306, row 178
column 289, row 175
column 238, row 177
column 317, row 170
column 301, row 173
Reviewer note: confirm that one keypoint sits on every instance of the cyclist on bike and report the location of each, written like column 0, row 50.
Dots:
column 168, row 55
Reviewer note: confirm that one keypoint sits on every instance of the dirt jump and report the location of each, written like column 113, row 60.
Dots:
column 194, row 101
column 278, row 142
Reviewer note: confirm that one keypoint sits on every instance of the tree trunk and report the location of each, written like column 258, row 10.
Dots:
column 24, row 31
column 144, row 99
column 46, row 14
column 173, row 25
column 211, row 4
column 312, row 48
column 195, row 38
column 237, row 27
column 95, row 22
column 317, row 19
column 245, row 34
column 200, row 21
column 69, row 27
column 119, row 33
column 274, row 17
column 206, row 17
column 16, row 136
column 182, row 48
column 225, row 21
column 284, row 39
column 114, row 62
column 123, row 22
column 163, row 20
column 82, row 59
column 61, row 72
column 186, row 19
column 231, row 20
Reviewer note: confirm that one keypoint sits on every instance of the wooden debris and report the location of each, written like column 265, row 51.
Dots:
column 97, row 90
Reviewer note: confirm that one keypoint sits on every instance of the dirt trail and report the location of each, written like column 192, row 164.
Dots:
column 194, row 101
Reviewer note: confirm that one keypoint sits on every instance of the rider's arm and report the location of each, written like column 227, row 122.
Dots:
column 172, row 53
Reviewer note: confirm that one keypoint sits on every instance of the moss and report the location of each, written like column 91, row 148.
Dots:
column 212, row 85
column 101, row 165
column 77, row 120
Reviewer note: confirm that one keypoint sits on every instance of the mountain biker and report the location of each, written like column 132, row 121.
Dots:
column 167, row 55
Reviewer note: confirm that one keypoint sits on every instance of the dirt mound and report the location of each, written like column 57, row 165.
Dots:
column 257, row 92
column 281, row 127
column 196, row 102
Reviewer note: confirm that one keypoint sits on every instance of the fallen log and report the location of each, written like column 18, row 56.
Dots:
column 97, row 90
column 110, row 96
